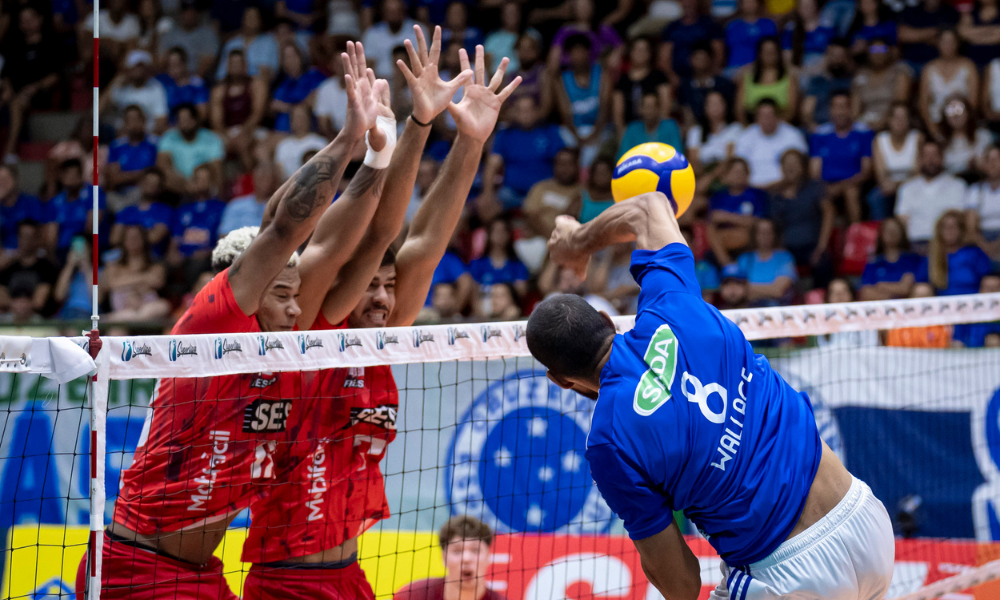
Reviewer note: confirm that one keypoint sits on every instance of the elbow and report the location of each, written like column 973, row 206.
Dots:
column 680, row 586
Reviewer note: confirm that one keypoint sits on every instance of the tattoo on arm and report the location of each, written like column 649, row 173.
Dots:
column 308, row 191
column 367, row 181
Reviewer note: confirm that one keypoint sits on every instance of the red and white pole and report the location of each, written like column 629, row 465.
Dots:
column 95, row 543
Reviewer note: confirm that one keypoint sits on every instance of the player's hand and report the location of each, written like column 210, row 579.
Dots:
column 431, row 94
column 562, row 249
column 476, row 115
column 363, row 92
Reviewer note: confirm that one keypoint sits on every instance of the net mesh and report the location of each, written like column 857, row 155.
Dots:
column 478, row 431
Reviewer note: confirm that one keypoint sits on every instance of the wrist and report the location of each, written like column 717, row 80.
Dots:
column 421, row 120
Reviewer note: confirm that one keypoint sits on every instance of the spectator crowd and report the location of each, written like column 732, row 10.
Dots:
column 843, row 150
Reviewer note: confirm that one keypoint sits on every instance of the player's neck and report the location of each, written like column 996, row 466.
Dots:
column 455, row 590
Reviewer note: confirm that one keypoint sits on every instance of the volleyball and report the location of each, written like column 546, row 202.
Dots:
column 654, row 167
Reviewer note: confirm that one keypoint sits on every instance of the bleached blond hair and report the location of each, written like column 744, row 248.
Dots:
column 236, row 242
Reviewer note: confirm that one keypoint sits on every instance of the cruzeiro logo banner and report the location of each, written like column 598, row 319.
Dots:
column 653, row 390
column 524, row 433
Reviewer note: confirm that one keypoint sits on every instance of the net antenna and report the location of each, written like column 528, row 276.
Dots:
column 98, row 415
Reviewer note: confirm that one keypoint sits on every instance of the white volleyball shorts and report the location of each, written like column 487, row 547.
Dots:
column 846, row 555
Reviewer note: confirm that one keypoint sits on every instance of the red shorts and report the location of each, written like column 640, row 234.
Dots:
column 131, row 573
column 347, row 583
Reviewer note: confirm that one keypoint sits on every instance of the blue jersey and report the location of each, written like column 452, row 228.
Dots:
column 585, row 103
column 690, row 419
column 25, row 207
column 842, row 155
column 880, row 269
column 133, row 157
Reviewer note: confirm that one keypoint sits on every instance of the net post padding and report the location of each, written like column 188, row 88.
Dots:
column 226, row 354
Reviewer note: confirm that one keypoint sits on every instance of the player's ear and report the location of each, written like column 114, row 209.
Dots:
column 608, row 318
column 563, row 383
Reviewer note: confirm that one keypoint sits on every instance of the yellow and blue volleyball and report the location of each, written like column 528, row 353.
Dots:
column 655, row 167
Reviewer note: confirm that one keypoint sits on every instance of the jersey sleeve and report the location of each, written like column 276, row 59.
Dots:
column 644, row 510
column 214, row 310
column 669, row 269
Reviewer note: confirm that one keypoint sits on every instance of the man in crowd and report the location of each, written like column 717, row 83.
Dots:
column 841, row 152
column 925, row 197
column 764, row 143
column 130, row 155
column 135, row 85
column 149, row 212
column 199, row 40
column 30, row 269
column 70, row 212
column 187, row 146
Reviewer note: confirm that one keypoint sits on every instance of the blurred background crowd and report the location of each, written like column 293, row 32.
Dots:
column 844, row 150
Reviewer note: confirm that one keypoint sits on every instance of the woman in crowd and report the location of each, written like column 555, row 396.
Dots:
column 951, row 74
column 980, row 29
column 871, row 22
column 840, row 291
column 964, row 143
column 134, row 281
column 710, row 143
column 533, row 74
column 596, row 195
column 237, row 107
column 152, row 24
column 743, row 35
column 804, row 39
column 768, row 78
column 893, row 270
column 982, row 204
column 894, row 153
column 74, row 289
column 801, row 209
column 879, row 84
column 953, row 265
column 260, row 49
column 499, row 264
column 296, row 83
column 603, row 38
column 769, row 268
column 640, row 78
column 504, row 305
column 503, row 41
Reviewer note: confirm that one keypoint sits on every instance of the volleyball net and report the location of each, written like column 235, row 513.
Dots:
column 480, row 431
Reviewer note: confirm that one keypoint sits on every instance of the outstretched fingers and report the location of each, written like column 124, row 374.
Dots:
column 461, row 79
column 359, row 58
column 415, row 64
column 352, row 97
column 435, row 53
column 480, row 65
column 507, row 91
column 499, row 75
column 421, row 45
column 463, row 59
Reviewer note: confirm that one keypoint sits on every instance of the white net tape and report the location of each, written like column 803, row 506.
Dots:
column 968, row 579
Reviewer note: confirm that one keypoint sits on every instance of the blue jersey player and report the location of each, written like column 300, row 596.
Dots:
column 689, row 418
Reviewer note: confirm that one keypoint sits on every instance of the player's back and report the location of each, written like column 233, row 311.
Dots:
column 206, row 439
column 689, row 418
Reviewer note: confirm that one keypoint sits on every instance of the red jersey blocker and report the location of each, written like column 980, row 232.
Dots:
column 332, row 493
column 205, row 442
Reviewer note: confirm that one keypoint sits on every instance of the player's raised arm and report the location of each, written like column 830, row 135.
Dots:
column 475, row 117
column 647, row 219
column 344, row 222
column 431, row 95
column 298, row 204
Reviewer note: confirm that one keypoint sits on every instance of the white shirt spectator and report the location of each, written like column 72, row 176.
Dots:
column 151, row 98
column 379, row 42
column 128, row 29
column 716, row 148
column 959, row 154
column 289, row 152
column 331, row 102
column 921, row 202
column 983, row 198
column 763, row 152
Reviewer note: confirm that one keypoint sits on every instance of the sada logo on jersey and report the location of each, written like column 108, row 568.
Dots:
column 132, row 349
column 489, row 332
column 265, row 343
column 653, row 390
column 456, row 333
column 224, row 347
column 177, row 349
column 345, row 341
column 382, row 339
column 527, row 434
column 306, row 342
column 419, row 337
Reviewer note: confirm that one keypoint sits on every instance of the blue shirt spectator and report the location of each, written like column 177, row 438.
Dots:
column 71, row 212
column 180, row 86
column 742, row 36
column 16, row 206
column 245, row 211
column 196, row 224
column 974, row 335
column 882, row 270
column 750, row 202
column 485, row 272
column 448, row 270
column 526, row 149
column 294, row 90
column 931, row 14
column 769, row 269
column 966, row 268
column 883, row 30
column 814, row 42
column 146, row 215
column 684, row 33
column 666, row 131
column 133, row 155
column 766, row 270
column 842, row 152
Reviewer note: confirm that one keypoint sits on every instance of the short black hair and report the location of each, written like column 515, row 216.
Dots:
column 840, row 93
column 180, row 52
column 389, row 258
column 568, row 336
column 135, row 108
column 702, row 46
column 188, row 106
column 577, row 40
column 71, row 163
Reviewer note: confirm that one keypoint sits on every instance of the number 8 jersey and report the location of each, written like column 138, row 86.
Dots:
column 689, row 418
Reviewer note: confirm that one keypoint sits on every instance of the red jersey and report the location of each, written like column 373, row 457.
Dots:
column 334, row 491
column 206, row 439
